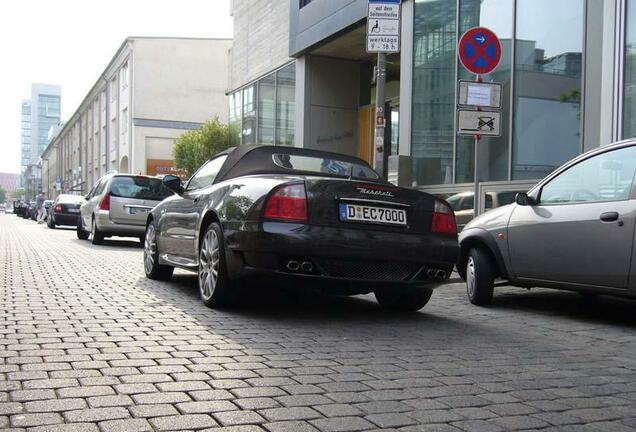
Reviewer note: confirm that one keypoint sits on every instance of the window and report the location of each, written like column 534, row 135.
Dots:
column 236, row 109
column 124, row 76
column 547, row 106
column 604, row 177
column 113, row 132
column 113, row 90
column 124, row 121
column 303, row 3
column 139, row 188
column 206, row 175
column 285, row 105
column 323, row 166
column 494, row 154
column 266, row 109
column 433, row 129
column 249, row 115
column 629, row 103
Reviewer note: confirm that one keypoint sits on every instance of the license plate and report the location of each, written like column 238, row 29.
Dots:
column 137, row 210
column 377, row 215
column 72, row 210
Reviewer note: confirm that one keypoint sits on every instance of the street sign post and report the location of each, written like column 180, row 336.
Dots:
column 383, row 36
column 479, row 51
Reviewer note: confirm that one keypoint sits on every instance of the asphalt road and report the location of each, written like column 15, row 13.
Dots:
column 87, row 343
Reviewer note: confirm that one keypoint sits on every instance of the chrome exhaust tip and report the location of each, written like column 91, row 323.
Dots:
column 441, row 274
column 292, row 265
column 431, row 273
column 307, row 267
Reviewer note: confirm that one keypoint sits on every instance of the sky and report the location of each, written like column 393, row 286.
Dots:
column 70, row 42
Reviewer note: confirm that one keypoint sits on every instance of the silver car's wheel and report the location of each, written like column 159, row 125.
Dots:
column 150, row 249
column 470, row 277
column 480, row 277
column 97, row 237
column 209, row 265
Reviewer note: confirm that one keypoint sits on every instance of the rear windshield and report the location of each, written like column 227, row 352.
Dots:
column 323, row 166
column 69, row 199
column 139, row 188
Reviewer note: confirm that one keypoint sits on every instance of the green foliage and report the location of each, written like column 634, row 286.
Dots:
column 194, row 147
column 19, row 193
column 3, row 195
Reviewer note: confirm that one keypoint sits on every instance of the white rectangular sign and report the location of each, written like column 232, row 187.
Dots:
column 472, row 93
column 387, row 44
column 383, row 27
column 485, row 123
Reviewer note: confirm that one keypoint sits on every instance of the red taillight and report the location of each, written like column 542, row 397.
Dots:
column 288, row 203
column 443, row 219
column 105, row 203
column 58, row 209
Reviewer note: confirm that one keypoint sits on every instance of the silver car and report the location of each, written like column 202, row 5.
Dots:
column 574, row 230
column 118, row 205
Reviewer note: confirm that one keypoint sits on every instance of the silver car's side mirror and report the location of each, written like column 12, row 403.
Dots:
column 523, row 199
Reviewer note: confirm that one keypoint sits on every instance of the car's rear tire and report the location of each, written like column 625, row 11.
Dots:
column 97, row 237
column 403, row 299
column 82, row 234
column 214, row 284
column 50, row 223
column 152, row 268
column 480, row 277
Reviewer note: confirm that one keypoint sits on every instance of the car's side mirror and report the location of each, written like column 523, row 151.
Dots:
column 523, row 199
column 173, row 183
column 87, row 197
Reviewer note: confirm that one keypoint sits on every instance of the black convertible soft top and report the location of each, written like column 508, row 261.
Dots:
column 253, row 159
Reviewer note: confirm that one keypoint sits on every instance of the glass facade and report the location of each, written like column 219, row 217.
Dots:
column 264, row 111
column 48, row 116
column 542, row 50
column 629, row 102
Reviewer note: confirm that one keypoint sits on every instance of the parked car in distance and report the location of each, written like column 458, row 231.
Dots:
column 118, row 205
column 463, row 204
column 574, row 230
column 304, row 218
column 65, row 210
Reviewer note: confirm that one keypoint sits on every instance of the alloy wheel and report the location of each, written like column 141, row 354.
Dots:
column 209, row 264
column 150, row 248
column 470, row 277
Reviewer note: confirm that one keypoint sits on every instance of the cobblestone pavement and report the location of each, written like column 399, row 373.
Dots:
column 88, row 344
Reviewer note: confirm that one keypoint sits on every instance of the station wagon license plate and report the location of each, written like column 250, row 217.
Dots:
column 137, row 210
column 72, row 210
column 377, row 215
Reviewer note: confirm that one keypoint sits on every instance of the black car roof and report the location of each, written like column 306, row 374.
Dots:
column 250, row 159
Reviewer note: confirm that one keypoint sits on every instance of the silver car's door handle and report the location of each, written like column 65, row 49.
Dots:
column 609, row 216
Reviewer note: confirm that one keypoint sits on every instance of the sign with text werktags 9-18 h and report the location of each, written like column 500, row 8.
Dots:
column 383, row 26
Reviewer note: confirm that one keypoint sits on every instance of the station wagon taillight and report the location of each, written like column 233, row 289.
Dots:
column 287, row 203
column 104, row 204
column 443, row 219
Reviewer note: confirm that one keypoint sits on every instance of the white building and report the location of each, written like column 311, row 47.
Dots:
column 152, row 90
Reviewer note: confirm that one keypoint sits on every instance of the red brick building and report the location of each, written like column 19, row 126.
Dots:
column 9, row 182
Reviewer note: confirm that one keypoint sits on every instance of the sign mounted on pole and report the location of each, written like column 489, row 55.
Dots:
column 479, row 50
column 479, row 94
column 482, row 123
column 383, row 26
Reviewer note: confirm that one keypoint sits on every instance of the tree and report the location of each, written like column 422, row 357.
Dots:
column 194, row 147
column 19, row 193
column 3, row 195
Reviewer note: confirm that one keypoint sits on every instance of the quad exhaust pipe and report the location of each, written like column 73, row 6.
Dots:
column 436, row 274
column 299, row 266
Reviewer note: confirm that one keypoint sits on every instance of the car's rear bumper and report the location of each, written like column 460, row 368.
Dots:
column 65, row 219
column 110, row 228
column 346, row 259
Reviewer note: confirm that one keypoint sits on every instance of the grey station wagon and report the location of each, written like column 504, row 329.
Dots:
column 574, row 231
column 118, row 205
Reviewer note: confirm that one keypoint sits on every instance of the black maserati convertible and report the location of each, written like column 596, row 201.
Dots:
column 307, row 218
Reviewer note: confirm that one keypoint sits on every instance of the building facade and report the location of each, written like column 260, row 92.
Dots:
column 152, row 91
column 38, row 115
column 9, row 183
column 568, row 74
